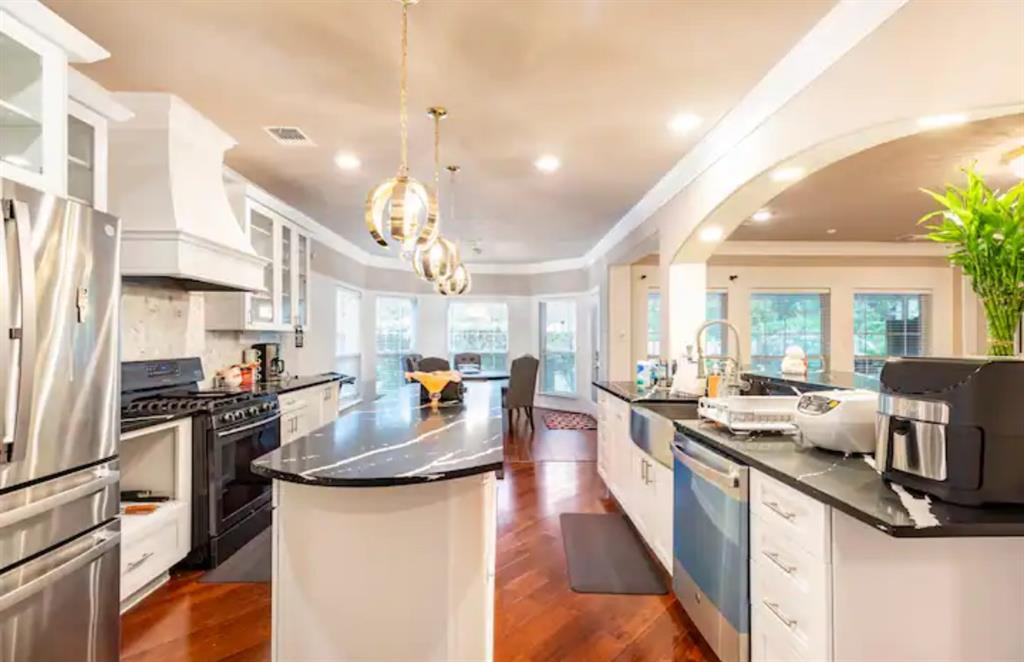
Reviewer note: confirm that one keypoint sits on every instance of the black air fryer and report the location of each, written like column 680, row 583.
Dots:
column 953, row 428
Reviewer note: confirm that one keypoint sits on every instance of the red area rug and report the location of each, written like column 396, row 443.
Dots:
column 567, row 420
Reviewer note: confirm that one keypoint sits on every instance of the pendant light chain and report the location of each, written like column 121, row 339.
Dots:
column 403, row 115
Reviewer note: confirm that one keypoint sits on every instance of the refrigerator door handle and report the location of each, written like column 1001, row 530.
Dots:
column 25, row 332
column 5, row 327
column 101, row 542
column 103, row 478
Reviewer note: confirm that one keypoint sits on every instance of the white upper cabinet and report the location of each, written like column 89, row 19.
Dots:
column 284, row 303
column 91, row 109
column 36, row 46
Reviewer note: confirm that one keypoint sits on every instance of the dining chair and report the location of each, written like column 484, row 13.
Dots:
column 410, row 363
column 468, row 359
column 522, row 386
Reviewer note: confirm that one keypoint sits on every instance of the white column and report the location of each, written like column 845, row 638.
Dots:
column 687, row 304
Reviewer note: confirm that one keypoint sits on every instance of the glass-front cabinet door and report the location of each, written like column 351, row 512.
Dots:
column 302, row 281
column 33, row 97
column 81, row 160
column 262, row 231
column 287, row 276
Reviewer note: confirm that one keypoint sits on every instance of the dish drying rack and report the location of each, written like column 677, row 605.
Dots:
column 751, row 413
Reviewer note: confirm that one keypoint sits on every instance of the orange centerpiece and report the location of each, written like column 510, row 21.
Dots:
column 435, row 382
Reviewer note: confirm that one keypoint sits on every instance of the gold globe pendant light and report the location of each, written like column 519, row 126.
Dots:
column 458, row 280
column 433, row 256
column 398, row 208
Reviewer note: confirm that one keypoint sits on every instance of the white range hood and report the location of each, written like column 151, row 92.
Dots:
column 167, row 186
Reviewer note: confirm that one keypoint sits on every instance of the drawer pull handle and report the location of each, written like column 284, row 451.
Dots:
column 777, row 560
column 777, row 509
column 773, row 607
column 135, row 564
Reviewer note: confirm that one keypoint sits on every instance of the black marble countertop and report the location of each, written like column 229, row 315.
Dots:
column 630, row 392
column 851, row 484
column 397, row 441
column 818, row 380
column 300, row 382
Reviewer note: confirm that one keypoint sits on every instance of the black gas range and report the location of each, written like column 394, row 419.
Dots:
column 230, row 429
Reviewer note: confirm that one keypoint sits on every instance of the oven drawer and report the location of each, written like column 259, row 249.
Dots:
column 154, row 548
column 793, row 515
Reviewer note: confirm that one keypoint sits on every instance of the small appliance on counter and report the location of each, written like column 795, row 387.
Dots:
column 953, row 428
column 743, row 414
column 841, row 421
column 270, row 361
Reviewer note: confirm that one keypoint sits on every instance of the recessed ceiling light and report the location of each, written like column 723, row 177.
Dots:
column 761, row 215
column 831, row 231
column 684, row 123
column 347, row 161
column 941, row 121
column 548, row 163
column 711, row 233
column 788, row 174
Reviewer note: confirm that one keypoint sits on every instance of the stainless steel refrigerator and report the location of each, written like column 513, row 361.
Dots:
column 59, row 396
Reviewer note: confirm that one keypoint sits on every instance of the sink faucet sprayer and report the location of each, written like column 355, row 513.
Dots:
column 733, row 384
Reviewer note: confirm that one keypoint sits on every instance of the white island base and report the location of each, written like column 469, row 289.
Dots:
column 384, row 573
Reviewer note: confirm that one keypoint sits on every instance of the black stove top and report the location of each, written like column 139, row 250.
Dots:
column 155, row 391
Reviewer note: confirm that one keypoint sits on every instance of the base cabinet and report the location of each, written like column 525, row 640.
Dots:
column 826, row 587
column 307, row 409
column 642, row 486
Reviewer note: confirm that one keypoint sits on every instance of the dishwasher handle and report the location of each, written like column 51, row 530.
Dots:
column 712, row 467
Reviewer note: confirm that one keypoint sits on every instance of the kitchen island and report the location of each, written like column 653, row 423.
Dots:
column 384, row 531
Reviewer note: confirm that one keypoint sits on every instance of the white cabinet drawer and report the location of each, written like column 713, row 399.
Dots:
column 805, row 573
column 770, row 640
column 144, row 559
column 790, row 613
column 796, row 516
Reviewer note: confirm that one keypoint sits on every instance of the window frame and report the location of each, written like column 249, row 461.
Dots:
column 825, row 297
column 357, row 295
column 452, row 305
column 720, row 333
column 542, row 317
column 389, row 354
column 925, row 312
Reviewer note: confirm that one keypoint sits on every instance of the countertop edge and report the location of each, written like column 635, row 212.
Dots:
column 383, row 481
column 604, row 386
column 942, row 531
column 313, row 380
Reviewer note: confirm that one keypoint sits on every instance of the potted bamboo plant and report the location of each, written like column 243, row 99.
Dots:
column 985, row 229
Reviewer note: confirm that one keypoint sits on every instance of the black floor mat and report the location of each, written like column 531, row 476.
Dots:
column 604, row 555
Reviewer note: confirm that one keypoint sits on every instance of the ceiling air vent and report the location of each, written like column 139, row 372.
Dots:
column 290, row 136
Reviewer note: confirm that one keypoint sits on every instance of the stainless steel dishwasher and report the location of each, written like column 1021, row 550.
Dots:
column 711, row 545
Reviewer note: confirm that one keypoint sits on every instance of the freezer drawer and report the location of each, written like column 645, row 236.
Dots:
column 36, row 518
column 63, row 605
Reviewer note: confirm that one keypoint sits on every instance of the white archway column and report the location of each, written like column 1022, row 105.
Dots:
column 686, row 285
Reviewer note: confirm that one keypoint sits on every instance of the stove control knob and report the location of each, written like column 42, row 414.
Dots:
column 254, row 410
column 267, row 406
column 230, row 417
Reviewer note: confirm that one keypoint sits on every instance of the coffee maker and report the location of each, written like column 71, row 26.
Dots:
column 271, row 363
column 953, row 428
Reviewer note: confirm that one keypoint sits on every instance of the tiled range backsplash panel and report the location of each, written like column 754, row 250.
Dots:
column 160, row 322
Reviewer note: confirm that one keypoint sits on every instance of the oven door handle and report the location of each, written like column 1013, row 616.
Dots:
column 226, row 433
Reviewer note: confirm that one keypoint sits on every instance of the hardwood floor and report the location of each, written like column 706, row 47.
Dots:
column 538, row 617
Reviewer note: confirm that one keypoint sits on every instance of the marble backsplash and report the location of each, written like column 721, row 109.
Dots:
column 162, row 322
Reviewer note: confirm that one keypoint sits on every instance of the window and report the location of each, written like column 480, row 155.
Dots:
column 715, row 308
column 347, row 353
column 396, row 335
column 480, row 328
column 558, row 347
column 887, row 325
column 653, row 324
column 780, row 320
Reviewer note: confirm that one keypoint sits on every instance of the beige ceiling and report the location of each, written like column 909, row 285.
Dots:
column 593, row 81
column 875, row 196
